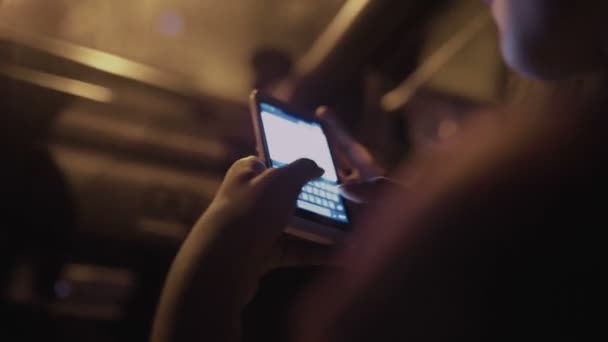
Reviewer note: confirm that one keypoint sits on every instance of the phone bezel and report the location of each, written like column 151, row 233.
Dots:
column 256, row 99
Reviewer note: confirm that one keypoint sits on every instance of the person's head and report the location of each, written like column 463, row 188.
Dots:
column 552, row 39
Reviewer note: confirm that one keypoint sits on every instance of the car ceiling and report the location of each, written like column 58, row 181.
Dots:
column 209, row 41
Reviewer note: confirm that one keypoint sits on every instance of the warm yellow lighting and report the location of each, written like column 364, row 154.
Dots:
column 58, row 83
column 329, row 39
column 99, row 60
column 399, row 97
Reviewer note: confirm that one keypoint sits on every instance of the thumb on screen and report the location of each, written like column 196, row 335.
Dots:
column 289, row 180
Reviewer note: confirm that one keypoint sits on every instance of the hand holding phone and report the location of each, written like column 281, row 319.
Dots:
column 355, row 162
column 238, row 239
column 284, row 135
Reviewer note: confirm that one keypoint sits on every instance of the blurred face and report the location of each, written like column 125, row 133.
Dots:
column 552, row 39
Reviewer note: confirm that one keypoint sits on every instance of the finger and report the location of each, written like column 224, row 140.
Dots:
column 342, row 143
column 360, row 192
column 246, row 168
column 346, row 174
column 296, row 252
column 336, row 132
column 278, row 189
column 340, row 139
column 366, row 191
column 347, row 148
column 289, row 180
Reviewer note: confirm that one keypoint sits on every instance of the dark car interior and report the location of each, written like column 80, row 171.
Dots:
column 119, row 120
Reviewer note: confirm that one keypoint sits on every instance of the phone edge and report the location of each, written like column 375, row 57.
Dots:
column 300, row 227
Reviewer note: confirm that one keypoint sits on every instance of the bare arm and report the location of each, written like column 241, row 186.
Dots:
column 233, row 245
column 201, row 300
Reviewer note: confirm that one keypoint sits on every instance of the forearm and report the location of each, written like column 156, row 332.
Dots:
column 195, row 319
column 203, row 296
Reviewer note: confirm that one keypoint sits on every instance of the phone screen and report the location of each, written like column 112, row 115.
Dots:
column 289, row 138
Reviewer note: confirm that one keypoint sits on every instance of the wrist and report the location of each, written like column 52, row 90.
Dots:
column 226, row 264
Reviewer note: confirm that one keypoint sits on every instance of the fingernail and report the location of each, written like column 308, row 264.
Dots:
column 350, row 183
column 343, row 188
column 321, row 111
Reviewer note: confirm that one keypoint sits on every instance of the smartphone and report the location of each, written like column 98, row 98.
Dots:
column 284, row 135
